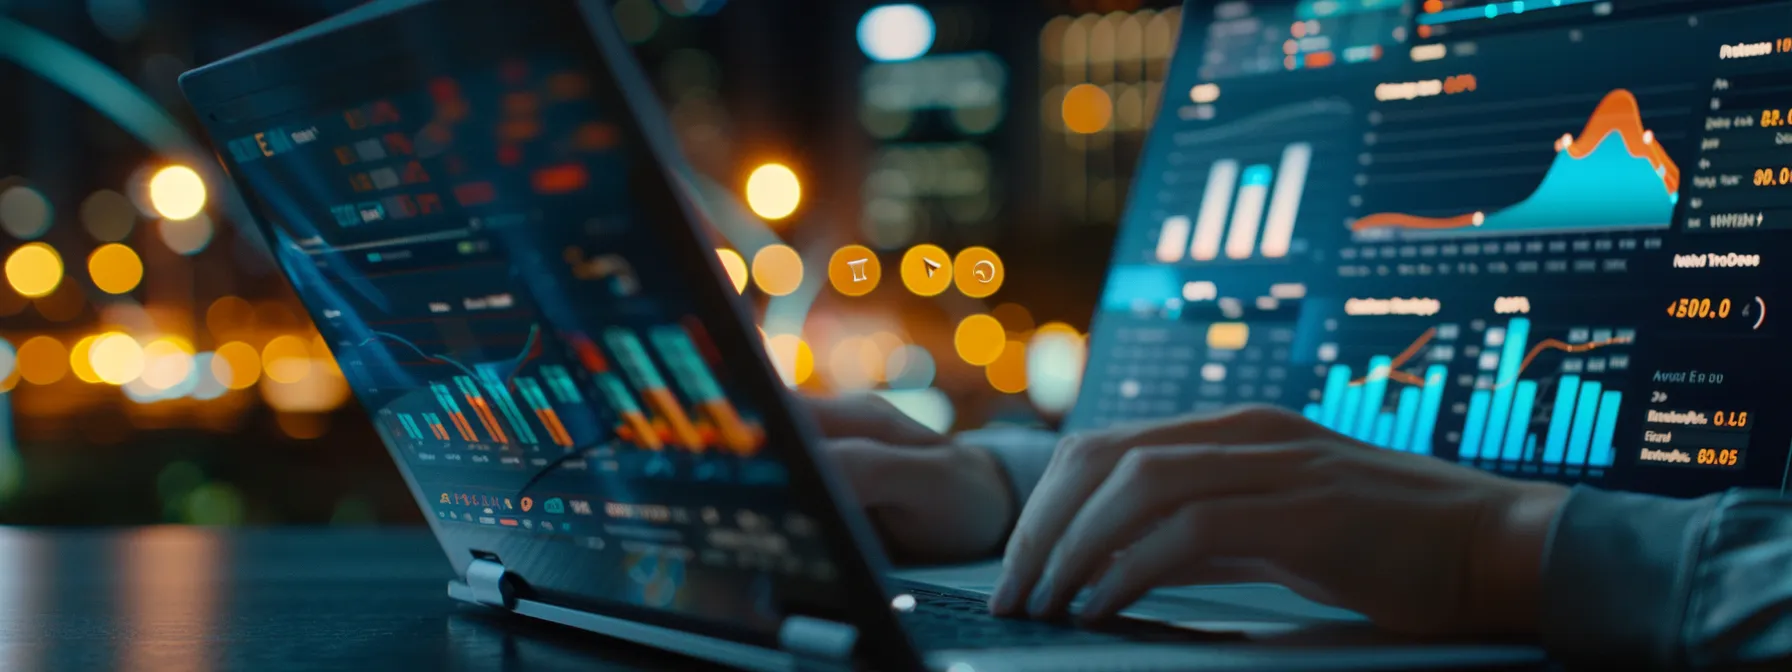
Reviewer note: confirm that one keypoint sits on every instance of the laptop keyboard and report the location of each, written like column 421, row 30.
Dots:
column 943, row 621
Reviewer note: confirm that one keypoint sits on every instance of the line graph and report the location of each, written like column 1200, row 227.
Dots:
column 1614, row 175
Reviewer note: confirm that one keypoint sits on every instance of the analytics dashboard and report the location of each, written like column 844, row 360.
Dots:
column 1541, row 238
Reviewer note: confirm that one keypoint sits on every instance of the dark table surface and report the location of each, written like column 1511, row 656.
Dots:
column 203, row 600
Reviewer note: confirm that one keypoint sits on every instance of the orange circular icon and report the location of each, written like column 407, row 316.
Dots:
column 978, row 272
column 854, row 270
column 527, row 504
column 926, row 270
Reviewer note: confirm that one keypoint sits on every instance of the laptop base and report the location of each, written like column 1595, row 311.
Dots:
column 806, row 644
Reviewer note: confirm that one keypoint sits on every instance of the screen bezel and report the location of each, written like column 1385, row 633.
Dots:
column 391, row 49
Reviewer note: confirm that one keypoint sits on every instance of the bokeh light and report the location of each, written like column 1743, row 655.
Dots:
column 1008, row 374
column 229, row 316
column 773, row 191
column 979, row 339
column 286, row 359
column 1014, row 317
column 80, row 360
column 108, row 215
column 115, row 268
column 1055, row 358
column 791, row 356
column 1087, row 109
column 34, row 270
column 777, row 269
column 855, row 363
column 42, row 360
column 237, row 365
column 735, row 266
column 167, row 362
column 637, row 20
column 207, row 384
column 176, row 193
column 895, row 32
column 116, row 358
column 186, row 236
column 24, row 212
column 910, row 366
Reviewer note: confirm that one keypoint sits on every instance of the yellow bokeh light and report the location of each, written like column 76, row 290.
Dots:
column 777, row 270
column 115, row 268
column 736, row 266
column 229, row 316
column 286, row 359
column 42, row 360
column 791, row 355
column 1059, row 328
column 34, row 270
column 1009, row 372
column 237, row 365
column 773, row 192
column 80, row 360
column 166, row 362
column 116, row 358
column 177, row 193
column 979, row 339
column 1087, row 109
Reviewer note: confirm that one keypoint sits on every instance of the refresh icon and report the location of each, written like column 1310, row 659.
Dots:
column 984, row 270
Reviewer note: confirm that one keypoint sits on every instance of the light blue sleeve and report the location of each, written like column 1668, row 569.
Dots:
column 1649, row 582
column 1024, row 454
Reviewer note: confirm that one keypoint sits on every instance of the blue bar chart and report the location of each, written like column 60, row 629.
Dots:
column 1520, row 400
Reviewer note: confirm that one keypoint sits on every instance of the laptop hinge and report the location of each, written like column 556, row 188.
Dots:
column 818, row 644
column 491, row 584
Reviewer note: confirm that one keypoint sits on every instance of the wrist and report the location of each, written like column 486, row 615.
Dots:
column 992, row 475
column 1505, row 578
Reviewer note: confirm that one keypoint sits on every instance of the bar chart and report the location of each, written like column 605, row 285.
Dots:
column 1245, row 211
column 1520, row 400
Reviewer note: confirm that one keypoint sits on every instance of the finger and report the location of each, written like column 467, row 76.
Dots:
column 871, row 417
column 880, row 474
column 1197, row 538
column 1148, row 484
column 1082, row 462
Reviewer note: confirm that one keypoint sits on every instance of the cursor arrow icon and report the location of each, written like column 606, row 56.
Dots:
column 931, row 266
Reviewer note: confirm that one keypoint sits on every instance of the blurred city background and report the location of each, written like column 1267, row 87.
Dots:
column 158, row 369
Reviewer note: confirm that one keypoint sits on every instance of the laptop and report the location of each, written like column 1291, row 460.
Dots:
column 483, row 211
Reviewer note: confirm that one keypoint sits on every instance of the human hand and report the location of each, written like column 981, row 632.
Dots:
column 1258, row 494
column 932, row 500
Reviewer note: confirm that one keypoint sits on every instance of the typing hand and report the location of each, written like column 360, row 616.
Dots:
column 1263, row 495
column 931, row 499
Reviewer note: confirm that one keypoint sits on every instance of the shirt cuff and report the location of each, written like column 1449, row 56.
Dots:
column 1616, row 576
column 1024, row 454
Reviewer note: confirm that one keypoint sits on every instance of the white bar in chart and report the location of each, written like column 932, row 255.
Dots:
column 1247, row 213
column 1210, row 222
column 1284, row 202
column 1172, row 239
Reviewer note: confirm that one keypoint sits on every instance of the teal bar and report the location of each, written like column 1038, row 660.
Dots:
column 1555, row 443
column 1522, row 398
column 1375, row 389
column 1604, row 428
column 1505, row 385
column 1530, row 447
column 1384, row 430
column 1353, row 400
column 1336, row 380
column 1431, row 403
column 1406, row 414
column 1580, row 437
column 1313, row 412
column 1476, row 423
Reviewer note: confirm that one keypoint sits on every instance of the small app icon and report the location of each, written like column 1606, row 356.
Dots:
column 528, row 503
column 581, row 507
column 553, row 505
column 445, row 499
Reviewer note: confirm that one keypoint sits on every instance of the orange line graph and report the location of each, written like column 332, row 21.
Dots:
column 1394, row 372
column 1617, row 113
column 1553, row 344
column 1396, row 375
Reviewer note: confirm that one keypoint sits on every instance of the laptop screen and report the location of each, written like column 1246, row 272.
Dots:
column 1540, row 238
column 470, row 236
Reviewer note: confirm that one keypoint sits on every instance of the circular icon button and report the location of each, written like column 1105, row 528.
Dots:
column 978, row 271
column 926, row 270
column 854, row 270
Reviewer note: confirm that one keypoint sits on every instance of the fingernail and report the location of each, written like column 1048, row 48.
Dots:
column 1041, row 600
column 1002, row 601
